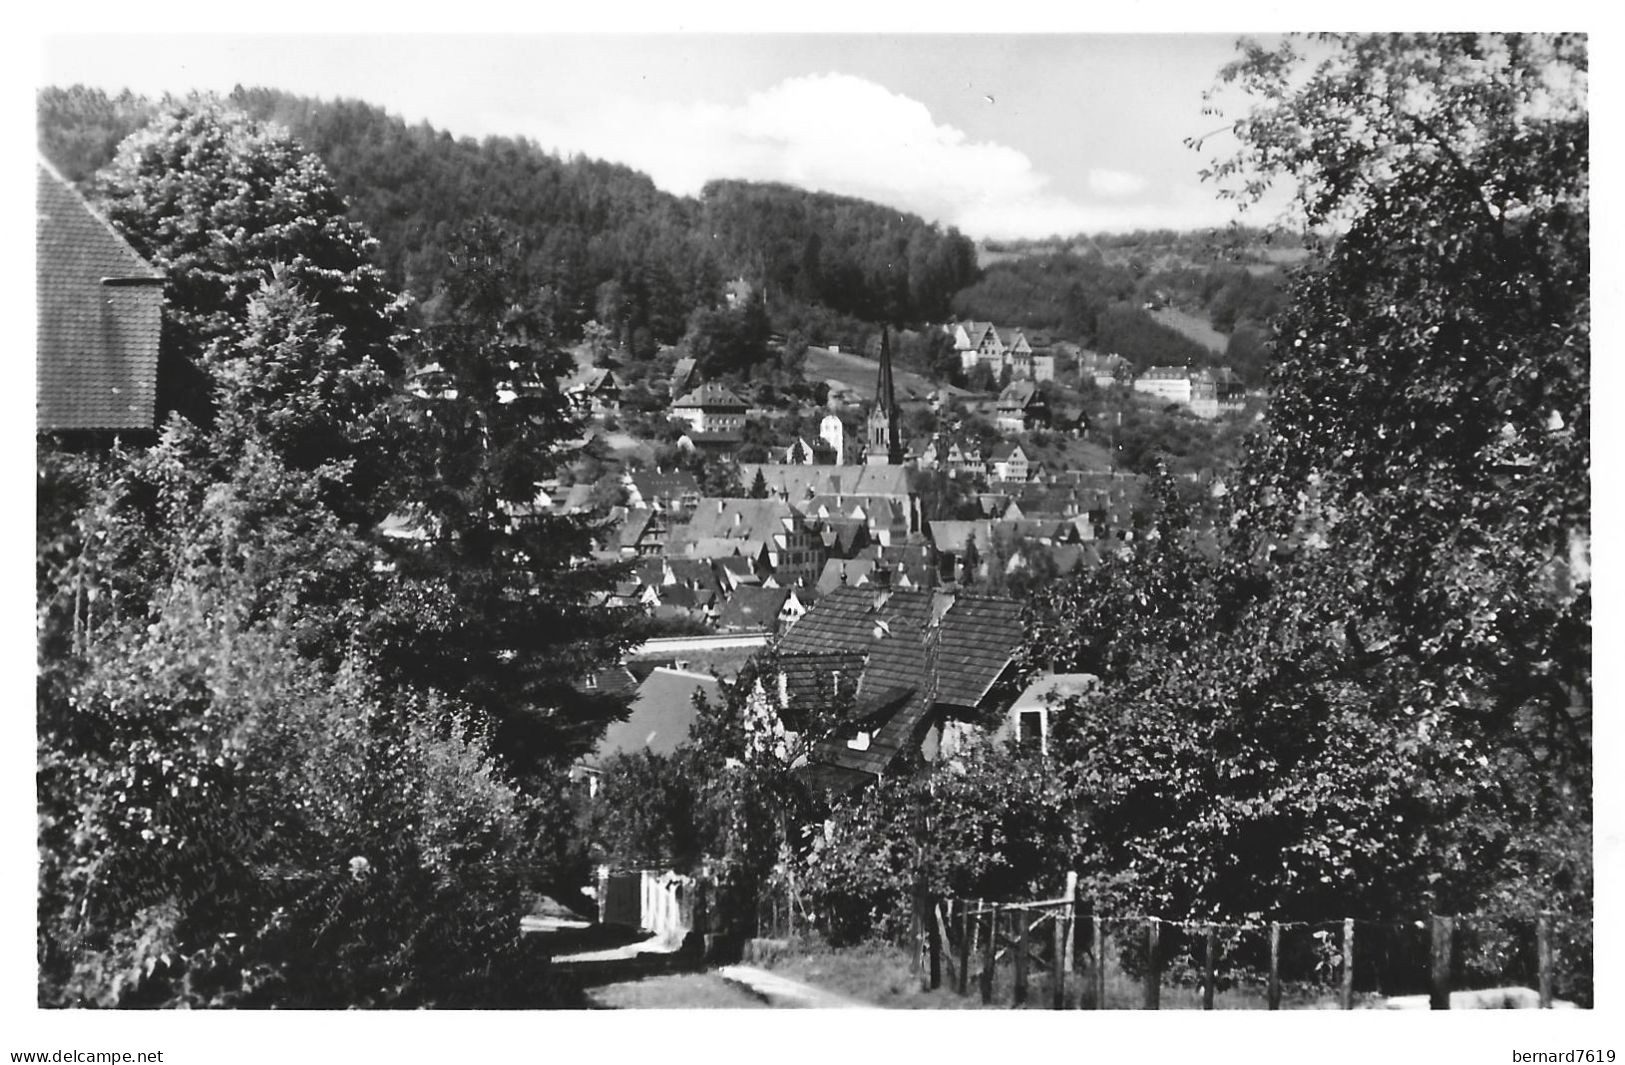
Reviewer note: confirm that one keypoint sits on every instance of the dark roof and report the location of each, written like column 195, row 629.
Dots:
column 652, row 484
column 816, row 676
column 980, row 636
column 893, row 717
column 845, row 619
column 633, row 526
column 660, row 715
column 617, row 680
column 100, row 308
column 752, row 607
column 711, row 394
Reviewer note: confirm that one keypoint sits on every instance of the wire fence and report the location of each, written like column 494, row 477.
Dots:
column 1064, row 953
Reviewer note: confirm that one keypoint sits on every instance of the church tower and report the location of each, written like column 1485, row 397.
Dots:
column 885, row 443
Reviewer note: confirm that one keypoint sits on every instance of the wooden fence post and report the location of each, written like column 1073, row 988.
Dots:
column 1210, row 952
column 1100, row 961
column 1275, row 965
column 962, row 982
column 1153, row 968
column 1071, row 920
column 1347, row 995
column 1021, row 955
column 990, row 949
column 1443, row 927
column 933, row 940
column 1543, row 956
column 1058, row 965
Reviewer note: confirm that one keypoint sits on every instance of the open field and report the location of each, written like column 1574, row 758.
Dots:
column 859, row 373
column 1193, row 327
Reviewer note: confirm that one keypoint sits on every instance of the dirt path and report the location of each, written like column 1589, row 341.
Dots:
column 675, row 991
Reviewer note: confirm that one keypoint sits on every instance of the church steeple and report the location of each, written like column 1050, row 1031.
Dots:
column 885, row 436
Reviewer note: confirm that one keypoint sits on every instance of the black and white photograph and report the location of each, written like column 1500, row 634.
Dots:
column 722, row 520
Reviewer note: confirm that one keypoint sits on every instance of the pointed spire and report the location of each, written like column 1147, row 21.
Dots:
column 883, row 423
column 885, row 392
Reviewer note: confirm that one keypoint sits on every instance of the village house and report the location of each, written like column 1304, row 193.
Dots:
column 880, row 496
column 675, row 492
column 1008, row 462
column 1170, row 383
column 711, row 408
column 927, row 665
column 1022, row 408
column 660, row 716
column 720, row 527
column 642, row 532
column 1029, row 718
column 1216, row 392
column 100, row 306
column 597, row 393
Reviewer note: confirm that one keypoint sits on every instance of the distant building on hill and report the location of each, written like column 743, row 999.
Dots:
column 711, row 409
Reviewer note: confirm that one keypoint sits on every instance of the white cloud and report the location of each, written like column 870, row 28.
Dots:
column 848, row 135
column 1114, row 183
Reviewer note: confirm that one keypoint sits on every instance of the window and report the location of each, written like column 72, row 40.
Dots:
column 1030, row 728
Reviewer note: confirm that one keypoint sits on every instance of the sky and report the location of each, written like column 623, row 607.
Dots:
column 1000, row 135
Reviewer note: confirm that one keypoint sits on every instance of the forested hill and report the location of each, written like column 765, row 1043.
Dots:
column 611, row 245
column 851, row 255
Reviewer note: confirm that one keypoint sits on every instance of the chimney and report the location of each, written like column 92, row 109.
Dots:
column 719, row 506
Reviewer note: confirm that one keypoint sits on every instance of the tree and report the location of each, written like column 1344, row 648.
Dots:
column 217, row 201
column 497, row 602
column 1361, row 685
column 758, row 486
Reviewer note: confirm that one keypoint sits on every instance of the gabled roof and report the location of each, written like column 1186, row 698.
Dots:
column 633, row 526
column 752, row 607
column 1018, row 394
column 100, row 310
column 842, row 572
column 799, row 482
column 980, row 637
column 681, row 371
column 738, row 519
column 953, row 535
column 711, row 394
column 653, row 485
column 661, row 714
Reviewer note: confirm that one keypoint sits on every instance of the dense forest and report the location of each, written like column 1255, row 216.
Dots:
column 604, row 241
column 1100, row 300
column 608, row 246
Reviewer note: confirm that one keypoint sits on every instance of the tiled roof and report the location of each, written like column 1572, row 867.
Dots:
column 653, row 485
column 1018, row 394
column 737, row 519
column 799, row 482
column 660, row 714
column 845, row 619
column 975, row 640
column 980, row 636
column 617, row 680
column 633, row 526
column 953, row 535
column 843, row 572
column 752, row 607
column 814, row 677
column 709, row 395
column 893, row 717
column 100, row 307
